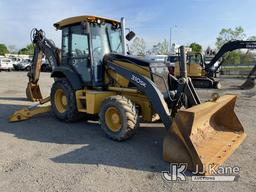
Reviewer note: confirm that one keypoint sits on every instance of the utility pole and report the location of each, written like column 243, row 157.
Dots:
column 123, row 35
column 170, row 47
column 171, row 31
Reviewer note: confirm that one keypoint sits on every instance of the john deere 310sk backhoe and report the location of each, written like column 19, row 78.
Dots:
column 95, row 77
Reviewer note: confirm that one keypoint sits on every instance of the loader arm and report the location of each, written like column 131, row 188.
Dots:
column 159, row 104
column 227, row 47
column 146, row 86
column 184, row 87
column 42, row 46
column 202, row 135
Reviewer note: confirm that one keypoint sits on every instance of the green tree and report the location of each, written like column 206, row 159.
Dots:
column 228, row 34
column 12, row 49
column 248, row 57
column 164, row 46
column 28, row 50
column 196, row 47
column 251, row 38
column 161, row 48
column 3, row 49
column 233, row 57
column 138, row 47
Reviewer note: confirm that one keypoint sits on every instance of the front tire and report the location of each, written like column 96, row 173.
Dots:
column 118, row 118
column 63, row 101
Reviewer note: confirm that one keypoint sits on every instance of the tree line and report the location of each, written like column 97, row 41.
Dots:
column 28, row 50
column 138, row 46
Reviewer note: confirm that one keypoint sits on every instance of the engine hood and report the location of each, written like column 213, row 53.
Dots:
column 128, row 59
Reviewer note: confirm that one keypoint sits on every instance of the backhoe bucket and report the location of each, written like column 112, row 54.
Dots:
column 33, row 92
column 204, row 136
column 248, row 84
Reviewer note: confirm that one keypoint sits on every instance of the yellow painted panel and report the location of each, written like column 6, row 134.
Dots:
column 94, row 100
column 195, row 70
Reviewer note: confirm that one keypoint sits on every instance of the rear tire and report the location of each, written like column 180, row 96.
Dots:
column 63, row 101
column 118, row 118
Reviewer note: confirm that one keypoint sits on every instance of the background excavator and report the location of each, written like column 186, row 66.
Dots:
column 96, row 77
column 202, row 73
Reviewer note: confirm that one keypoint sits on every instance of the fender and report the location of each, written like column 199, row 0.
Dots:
column 69, row 75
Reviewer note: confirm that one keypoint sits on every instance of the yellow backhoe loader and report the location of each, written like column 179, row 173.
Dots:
column 96, row 77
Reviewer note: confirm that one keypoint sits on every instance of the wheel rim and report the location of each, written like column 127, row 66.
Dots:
column 60, row 101
column 218, row 85
column 113, row 119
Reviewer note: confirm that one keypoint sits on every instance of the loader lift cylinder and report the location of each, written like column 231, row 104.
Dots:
column 123, row 35
column 183, row 66
column 146, row 86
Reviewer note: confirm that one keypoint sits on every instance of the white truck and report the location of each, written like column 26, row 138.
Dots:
column 6, row 64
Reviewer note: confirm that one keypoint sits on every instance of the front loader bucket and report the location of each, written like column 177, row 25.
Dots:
column 33, row 92
column 248, row 84
column 205, row 135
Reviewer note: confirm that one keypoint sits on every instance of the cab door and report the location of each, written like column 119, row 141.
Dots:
column 75, row 51
column 194, row 65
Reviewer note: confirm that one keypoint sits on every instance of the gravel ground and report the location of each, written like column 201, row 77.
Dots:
column 44, row 154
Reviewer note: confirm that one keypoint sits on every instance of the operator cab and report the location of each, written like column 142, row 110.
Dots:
column 85, row 41
column 195, row 58
column 195, row 64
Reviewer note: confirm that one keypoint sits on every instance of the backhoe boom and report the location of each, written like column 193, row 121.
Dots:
column 42, row 47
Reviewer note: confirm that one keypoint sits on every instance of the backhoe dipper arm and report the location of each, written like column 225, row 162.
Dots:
column 42, row 46
column 229, row 46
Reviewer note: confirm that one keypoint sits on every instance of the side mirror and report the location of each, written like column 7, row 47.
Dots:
column 130, row 36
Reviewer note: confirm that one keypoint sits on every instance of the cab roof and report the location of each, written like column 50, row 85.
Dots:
column 79, row 19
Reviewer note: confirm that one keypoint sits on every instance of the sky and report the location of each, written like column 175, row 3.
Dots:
column 197, row 21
